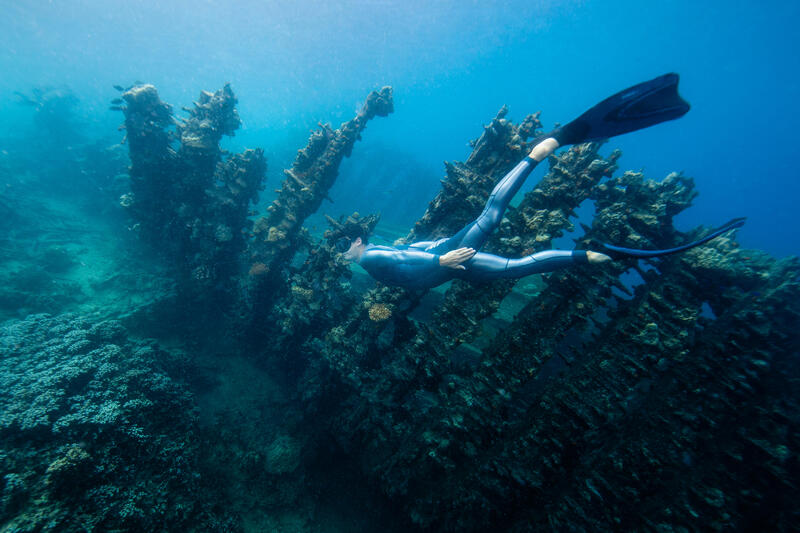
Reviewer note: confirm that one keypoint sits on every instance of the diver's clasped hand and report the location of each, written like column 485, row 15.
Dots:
column 454, row 258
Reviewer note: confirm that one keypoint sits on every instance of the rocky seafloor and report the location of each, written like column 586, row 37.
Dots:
column 217, row 366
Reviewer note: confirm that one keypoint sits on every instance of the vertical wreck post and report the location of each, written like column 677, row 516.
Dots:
column 277, row 234
column 186, row 200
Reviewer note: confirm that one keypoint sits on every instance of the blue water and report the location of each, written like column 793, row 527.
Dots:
column 452, row 66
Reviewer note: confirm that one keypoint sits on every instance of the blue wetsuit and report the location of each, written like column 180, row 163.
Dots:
column 417, row 266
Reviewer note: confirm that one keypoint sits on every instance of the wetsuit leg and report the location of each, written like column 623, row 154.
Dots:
column 488, row 267
column 475, row 234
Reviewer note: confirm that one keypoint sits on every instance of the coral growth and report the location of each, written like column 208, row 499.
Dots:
column 308, row 181
column 94, row 433
column 186, row 200
column 599, row 404
column 379, row 312
column 280, row 236
column 587, row 384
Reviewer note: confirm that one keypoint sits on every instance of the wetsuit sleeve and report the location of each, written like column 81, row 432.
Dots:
column 392, row 259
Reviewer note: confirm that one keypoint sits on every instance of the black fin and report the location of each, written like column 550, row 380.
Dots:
column 617, row 252
column 635, row 108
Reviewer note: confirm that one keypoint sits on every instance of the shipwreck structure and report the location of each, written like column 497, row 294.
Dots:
column 653, row 395
column 187, row 200
column 602, row 405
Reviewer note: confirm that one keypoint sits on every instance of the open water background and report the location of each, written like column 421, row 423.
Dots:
column 452, row 66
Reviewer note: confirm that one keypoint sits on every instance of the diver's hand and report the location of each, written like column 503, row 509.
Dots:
column 454, row 258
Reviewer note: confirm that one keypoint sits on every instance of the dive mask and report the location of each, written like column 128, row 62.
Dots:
column 343, row 244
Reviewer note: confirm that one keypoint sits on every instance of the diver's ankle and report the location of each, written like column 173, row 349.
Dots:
column 543, row 149
column 596, row 257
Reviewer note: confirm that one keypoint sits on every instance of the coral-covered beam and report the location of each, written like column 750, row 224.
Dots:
column 308, row 181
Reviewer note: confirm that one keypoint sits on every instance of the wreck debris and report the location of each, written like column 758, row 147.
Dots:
column 308, row 181
column 496, row 439
column 543, row 215
column 320, row 294
column 466, row 188
column 279, row 235
column 187, row 201
column 568, row 415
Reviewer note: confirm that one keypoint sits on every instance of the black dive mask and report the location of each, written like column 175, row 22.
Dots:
column 343, row 244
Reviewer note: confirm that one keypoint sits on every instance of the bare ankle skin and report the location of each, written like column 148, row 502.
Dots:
column 596, row 257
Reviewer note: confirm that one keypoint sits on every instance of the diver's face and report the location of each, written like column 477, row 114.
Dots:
column 354, row 252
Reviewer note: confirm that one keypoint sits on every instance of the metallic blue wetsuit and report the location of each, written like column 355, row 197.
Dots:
column 417, row 266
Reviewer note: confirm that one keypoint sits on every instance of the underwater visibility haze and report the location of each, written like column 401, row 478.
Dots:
column 359, row 266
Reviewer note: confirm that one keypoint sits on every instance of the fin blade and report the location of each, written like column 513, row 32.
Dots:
column 640, row 106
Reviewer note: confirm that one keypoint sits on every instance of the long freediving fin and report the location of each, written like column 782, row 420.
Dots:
column 618, row 251
column 635, row 108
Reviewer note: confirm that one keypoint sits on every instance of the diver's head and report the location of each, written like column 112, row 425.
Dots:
column 352, row 245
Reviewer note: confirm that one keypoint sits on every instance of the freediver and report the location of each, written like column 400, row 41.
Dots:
column 426, row 264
